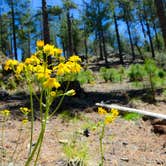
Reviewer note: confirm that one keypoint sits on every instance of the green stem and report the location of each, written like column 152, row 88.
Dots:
column 35, row 148
column 40, row 143
column 101, row 145
column 43, row 125
column 32, row 117
column 60, row 102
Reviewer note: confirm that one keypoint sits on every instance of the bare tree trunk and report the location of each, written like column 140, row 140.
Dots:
column 150, row 39
column 1, row 48
column 86, row 48
column 131, row 41
column 100, row 46
column 118, row 40
column 156, row 36
column 29, row 45
column 104, row 46
column 142, row 26
column 70, row 46
column 162, row 17
column 46, row 32
column 14, row 30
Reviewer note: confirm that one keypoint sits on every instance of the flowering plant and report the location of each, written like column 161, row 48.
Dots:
column 109, row 117
column 36, row 72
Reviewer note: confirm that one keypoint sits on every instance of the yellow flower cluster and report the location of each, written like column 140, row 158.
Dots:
column 38, row 69
column 102, row 111
column 51, row 83
column 40, row 44
column 5, row 113
column 25, row 110
column 109, row 116
column 71, row 66
column 10, row 63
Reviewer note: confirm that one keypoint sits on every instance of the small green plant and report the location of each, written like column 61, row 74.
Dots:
column 136, row 73
column 111, row 74
column 104, row 73
column 132, row 116
column 76, row 151
column 154, row 75
column 85, row 77
column 147, row 75
column 109, row 117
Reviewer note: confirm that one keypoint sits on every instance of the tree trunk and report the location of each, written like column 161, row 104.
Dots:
column 14, row 30
column 70, row 46
column 162, row 17
column 29, row 45
column 46, row 33
column 142, row 26
column 1, row 48
column 86, row 48
column 150, row 39
column 131, row 41
column 100, row 46
column 118, row 40
column 104, row 46
column 156, row 36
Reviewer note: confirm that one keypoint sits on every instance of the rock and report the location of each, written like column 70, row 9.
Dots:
column 125, row 159
column 3, row 95
column 124, row 143
column 161, row 129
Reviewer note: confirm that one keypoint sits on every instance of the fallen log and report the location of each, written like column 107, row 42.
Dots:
column 126, row 109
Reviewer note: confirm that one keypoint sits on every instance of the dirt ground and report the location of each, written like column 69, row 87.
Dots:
column 126, row 143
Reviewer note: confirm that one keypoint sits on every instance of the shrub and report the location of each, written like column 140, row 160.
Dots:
column 136, row 72
column 111, row 74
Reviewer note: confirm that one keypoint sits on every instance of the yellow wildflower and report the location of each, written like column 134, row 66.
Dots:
column 25, row 121
column 5, row 112
column 32, row 60
column 109, row 119
column 10, row 63
column 61, row 69
column 53, row 93
column 25, row 110
column 48, row 49
column 51, row 83
column 114, row 112
column 75, row 58
column 102, row 111
column 73, row 66
column 40, row 44
column 70, row 92
column 42, row 72
column 19, row 68
column 58, row 51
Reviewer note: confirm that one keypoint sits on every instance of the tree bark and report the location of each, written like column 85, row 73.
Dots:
column 14, row 30
column 104, row 46
column 118, row 39
column 162, row 17
column 100, row 46
column 131, row 41
column 86, row 48
column 156, row 36
column 70, row 46
column 46, row 32
column 150, row 39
